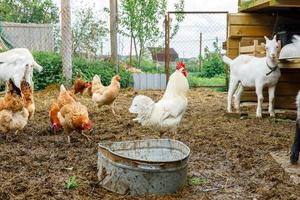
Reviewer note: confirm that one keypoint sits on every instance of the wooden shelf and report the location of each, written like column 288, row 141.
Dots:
column 267, row 5
column 289, row 65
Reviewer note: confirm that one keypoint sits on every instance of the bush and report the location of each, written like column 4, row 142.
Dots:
column 212, row 62
column 213, row 65
column 52, row 70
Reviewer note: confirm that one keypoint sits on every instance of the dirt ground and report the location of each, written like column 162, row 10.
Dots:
column 230, row 156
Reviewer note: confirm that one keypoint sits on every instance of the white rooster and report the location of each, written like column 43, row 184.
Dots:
column 167, row 113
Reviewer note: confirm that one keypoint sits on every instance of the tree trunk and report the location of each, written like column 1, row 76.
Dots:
column 113, row 33
column 140, row 56
column 66, row 49
column 130, row 51
column 135, row 49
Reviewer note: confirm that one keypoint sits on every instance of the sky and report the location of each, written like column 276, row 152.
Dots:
column 187, row 40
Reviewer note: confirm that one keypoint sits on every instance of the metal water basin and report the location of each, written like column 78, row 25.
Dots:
column 156, row 166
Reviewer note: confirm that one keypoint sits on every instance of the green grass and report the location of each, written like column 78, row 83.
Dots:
column 71, row 183
column 195, row 181
column 196, row 81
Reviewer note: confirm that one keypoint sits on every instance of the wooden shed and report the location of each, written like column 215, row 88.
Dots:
column 259, row 18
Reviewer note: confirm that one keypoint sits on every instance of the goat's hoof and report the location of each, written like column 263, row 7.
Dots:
column 272, row 114
column 294, row 158
column 258, row 117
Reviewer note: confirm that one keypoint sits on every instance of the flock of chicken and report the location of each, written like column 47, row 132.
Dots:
column 67, row 114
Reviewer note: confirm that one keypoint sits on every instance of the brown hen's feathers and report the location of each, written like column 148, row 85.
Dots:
column 65, row 97
column 54, row 109
column 75, row 116
column 12, row 99
column 13, row 114
column 28, row 97
column 106, row 95
column 79, row 86
column 97, row 85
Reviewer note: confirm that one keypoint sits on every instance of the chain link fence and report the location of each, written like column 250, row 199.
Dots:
column 199, row 43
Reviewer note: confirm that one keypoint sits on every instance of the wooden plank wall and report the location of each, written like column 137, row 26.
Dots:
column 287, row 88
column 242, row 25
column 253, row 26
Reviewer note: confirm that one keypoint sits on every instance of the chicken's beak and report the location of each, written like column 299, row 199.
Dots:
column 88, row 125
column 54, row 128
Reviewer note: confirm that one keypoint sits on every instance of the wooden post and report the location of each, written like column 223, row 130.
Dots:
column 167, row 47
column 66, row 38
column 113, row 33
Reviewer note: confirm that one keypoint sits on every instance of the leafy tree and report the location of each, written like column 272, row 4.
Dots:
column 212, row 61
column 142, row 20
column 89, row 31
column 28, row 11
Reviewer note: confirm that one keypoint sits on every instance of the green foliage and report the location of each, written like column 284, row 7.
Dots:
column 71, row 183
column 193, row 65
column 28, row 11
column 51, row 73
column 88, row 30
column 212, row 62
column 179, row 17
column 52, row 70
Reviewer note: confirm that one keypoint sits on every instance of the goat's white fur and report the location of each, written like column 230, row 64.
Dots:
column 14, row 63
column 250, row 71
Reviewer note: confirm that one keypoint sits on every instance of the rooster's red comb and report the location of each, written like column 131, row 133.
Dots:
column 180, row 65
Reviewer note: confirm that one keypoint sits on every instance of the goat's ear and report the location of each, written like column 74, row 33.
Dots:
column 267, row 39
column 274, row 38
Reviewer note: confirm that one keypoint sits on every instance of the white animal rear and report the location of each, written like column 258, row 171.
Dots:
column 14, row 63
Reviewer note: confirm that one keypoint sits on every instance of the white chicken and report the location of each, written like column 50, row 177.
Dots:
column 167, row 113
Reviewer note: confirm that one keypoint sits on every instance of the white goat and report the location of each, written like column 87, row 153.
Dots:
column 13, row 65
column 250, row 71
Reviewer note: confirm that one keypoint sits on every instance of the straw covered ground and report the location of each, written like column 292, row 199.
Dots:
column 230, row 157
